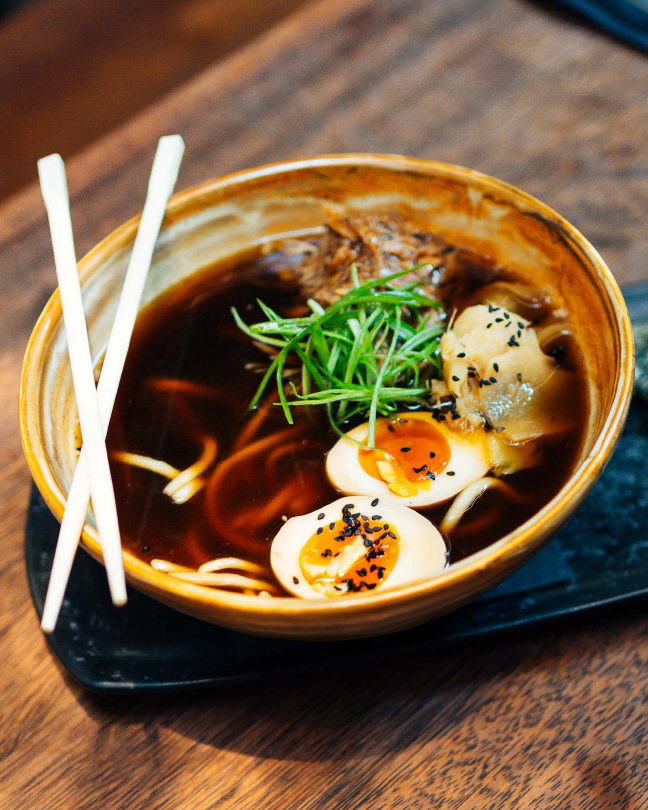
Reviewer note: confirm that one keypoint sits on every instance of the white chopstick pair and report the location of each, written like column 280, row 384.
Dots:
column 92, row 475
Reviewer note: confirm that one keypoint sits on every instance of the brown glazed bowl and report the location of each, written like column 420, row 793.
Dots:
column 223, row 217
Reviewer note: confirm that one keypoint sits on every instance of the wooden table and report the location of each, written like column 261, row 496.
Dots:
column 552, row 719
column 101, row 62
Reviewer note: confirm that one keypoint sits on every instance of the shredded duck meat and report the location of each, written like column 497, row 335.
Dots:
column 377, row 244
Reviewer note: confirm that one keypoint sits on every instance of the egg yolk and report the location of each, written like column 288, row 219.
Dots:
column 353, row 554
column 408, row 453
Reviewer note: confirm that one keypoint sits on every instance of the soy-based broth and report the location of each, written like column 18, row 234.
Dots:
column 191, row 374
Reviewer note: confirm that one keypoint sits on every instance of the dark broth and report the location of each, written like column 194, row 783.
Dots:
column 188, row 334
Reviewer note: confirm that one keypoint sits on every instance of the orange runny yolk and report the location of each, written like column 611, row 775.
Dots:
column 408, row 454
column 356, row 553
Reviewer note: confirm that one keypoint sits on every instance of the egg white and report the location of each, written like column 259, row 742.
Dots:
column 469, row 461
column 422, row 552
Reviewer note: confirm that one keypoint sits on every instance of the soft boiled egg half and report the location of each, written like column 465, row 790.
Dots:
column 354, row 545
column 417, row 461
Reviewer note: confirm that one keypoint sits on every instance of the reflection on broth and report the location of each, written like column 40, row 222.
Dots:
column 475, row 426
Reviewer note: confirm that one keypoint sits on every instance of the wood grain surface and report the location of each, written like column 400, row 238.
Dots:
column 72, row 69
column 552, row 720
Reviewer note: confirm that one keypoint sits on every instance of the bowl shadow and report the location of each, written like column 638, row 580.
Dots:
column 317, row 716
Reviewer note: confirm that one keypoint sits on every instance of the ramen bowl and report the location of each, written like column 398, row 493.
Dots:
column 228, row 216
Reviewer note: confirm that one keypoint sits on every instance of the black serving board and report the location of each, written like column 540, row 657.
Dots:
column 600, row 557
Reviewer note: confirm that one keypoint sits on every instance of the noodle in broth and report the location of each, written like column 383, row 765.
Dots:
column 203, row 484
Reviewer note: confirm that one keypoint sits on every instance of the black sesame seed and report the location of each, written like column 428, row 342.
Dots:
column 432, row 454
column 520, row 324
column 495, row 366
column 450, row 472
column 331, row 526
column 499, row 320
column 420, row 469
column 488, row 325
column 519, row 376
column 367, row 542
column 405, row 449
column 295, row 581
column 493, row 380
column 320, row 516
column 472, row 374
column 430, row 475
column 347, row 507
column 375, row 502
column 361, row 572
column 391, row 428
column 455, row 378
column 376, row 517
column 461, row 354
column 320, row 530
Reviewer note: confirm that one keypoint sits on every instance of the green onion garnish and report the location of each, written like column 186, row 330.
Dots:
column 371, row 352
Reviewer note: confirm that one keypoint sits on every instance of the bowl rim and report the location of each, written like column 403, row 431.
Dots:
column 524, row 538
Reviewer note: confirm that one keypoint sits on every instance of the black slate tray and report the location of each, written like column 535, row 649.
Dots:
column 600, row 557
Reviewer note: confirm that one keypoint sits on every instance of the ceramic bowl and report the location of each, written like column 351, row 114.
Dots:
column 223, row 217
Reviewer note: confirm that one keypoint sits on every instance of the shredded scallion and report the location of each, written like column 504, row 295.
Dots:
column 370, row 353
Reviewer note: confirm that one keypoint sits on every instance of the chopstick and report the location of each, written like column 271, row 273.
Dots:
column 163, row 177
column 51, row 172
